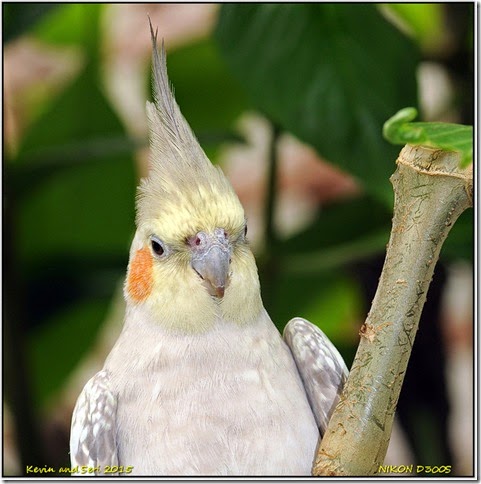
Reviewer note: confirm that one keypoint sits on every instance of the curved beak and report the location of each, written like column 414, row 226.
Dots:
column 211, row 255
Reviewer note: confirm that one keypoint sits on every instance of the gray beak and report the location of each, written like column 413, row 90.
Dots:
column 211, row 255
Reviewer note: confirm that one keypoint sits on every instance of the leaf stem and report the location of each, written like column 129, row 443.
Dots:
column 268, row 262
column 331, row 258
column 18, row 390
column 270, row 234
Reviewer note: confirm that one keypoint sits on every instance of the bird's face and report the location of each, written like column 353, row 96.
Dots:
column 191, row 268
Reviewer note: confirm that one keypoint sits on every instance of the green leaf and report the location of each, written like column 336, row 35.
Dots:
column 310, row 277
column 86, row 210
column 460, row 243
column 336, row 305
column 337, row 256
column 55, row 349
column 37, row 166
column 73, row 24
column 74, row 31
column 446, row 136
column 210, row 99
column 343, row 233
column 79, row 113
column 344, row 222
column 74, row 219
column 20, row 17
column 84, row 207
column 336, row 309
column 425, row 21
column 328, row 73
column 331, row 301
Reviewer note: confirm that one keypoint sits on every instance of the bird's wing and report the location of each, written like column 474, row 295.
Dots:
column 320, row 366
column 93, row 431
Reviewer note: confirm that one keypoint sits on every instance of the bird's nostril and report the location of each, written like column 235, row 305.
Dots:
column 197, row 241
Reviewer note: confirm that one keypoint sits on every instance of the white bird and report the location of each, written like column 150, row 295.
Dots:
column 200, row 381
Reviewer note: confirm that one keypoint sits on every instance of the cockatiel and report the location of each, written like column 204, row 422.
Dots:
column 200, row 381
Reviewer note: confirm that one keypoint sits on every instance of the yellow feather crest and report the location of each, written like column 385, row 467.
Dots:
column 183, row 192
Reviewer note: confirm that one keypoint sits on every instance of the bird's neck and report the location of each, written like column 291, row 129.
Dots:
column 196, row 314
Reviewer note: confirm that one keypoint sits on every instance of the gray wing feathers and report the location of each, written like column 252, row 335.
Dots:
column 93, row 431
column 321, row 367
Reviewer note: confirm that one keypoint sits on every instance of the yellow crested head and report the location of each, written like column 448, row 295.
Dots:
column 189, row 261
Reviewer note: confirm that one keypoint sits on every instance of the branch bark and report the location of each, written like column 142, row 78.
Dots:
column 431, row 191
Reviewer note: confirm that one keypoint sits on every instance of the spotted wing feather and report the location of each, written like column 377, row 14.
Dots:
column 93, row 431
column 320, row 366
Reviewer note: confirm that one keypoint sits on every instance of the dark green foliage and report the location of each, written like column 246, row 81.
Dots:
column 17, row 18
column 330, row 74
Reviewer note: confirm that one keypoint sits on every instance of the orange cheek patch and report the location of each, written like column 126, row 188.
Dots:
column 140, row 278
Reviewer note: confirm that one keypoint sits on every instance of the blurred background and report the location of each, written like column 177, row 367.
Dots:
column 290, row 100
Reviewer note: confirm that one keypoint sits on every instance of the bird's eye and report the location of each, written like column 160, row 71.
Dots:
column 157, row 246
column 245, row 230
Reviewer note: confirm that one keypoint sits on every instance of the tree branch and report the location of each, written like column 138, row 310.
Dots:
column 431, row 191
